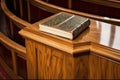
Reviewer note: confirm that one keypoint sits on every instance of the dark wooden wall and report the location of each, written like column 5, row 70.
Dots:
column 98, row 9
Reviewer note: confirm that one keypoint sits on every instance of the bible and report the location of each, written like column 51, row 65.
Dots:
column 65, row 25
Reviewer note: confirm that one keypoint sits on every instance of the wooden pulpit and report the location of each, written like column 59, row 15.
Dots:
column 94, row 54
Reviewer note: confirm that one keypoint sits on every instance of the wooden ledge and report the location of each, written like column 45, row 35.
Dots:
column 104, row 51
column 56, row 43
column 72, row 50
column 91, row 40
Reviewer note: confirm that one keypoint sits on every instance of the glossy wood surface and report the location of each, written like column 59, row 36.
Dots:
column 89, row 56
column 100, row 38
column 104, row 34
column 102, row 68
column 52, row 57
column 45, row 62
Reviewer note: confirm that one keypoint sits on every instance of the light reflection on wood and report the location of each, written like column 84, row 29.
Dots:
column 116, row 43
column 109, row 34
column 105, row 33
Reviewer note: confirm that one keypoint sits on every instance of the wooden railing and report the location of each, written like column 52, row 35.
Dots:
column 15, row 50
column 23, row 16
column 13, row 55
column 55, row 9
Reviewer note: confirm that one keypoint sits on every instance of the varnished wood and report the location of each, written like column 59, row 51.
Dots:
column 31, row 60
column 76, row 55
column 52, row 57
column 16, row 51
column 14, row 46
column 52, row 63
column 90, row 36
column 49, row 62
column 102, row 68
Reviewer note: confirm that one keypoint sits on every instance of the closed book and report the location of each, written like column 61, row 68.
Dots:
column 65, row 25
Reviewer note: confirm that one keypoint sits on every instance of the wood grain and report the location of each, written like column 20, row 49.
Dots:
column 10, row 51
column 52, row 57
column 31, row 60
column 76, row 67
column 103, row 68
column 85, row 57
column 50, row 63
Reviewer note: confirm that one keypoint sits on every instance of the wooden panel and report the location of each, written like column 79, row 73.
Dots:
column 31, row 60
column 56, row 64
column 62, row 3
column 96, row 9
column 76, row 67
column 103, row 68
column 81, row 69
column 50, row 62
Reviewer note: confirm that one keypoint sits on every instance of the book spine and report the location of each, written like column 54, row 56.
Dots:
column 81, row 28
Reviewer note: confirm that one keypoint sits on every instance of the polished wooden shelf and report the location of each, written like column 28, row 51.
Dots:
column 98, row 45
column 100, row 34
